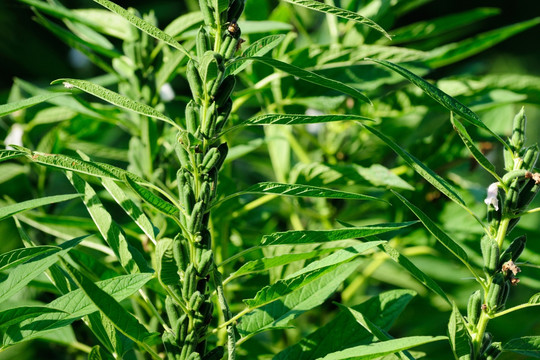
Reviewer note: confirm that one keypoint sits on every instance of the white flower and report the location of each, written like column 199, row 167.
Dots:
column 15, row 136
column 166, row 93
column 315, row 128
column 491, row 198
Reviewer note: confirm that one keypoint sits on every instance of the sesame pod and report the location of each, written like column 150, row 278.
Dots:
column 235, row 10
column 492, row 352
column 514, row 250
column 490, row 254
column 512, row 195
column 176, row 290
column 518, row 131
column 206, row 192
column 233, row 45
column 185, row 190
column 225, row 44
column 208, row 15
column 223, row 114
column 171, row 310
column 503, row 295
column 191, row 117
column 209, row 125
column 205, row 262
column 195, row 81
column 474, row 307
column 530, row 157
column 508, row 160
column 494, row 292
column 180, row 254
column 215, row 354
column 514, row 174
column 224, row 91
column 196, row 301
column 203, row 42
column 194, row 356
column 182, row 155
column 493, row 217
column 169, row 342
column 210, row 159
column 188, row 285
column 195, row 219
column 182, row 328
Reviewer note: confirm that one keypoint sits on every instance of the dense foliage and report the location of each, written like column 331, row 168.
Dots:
column 270, row 180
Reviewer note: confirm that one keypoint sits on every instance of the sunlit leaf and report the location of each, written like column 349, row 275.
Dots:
column 23, row 104
column 10, row 210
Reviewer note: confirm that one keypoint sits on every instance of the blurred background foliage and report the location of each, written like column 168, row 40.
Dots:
column 494, row 82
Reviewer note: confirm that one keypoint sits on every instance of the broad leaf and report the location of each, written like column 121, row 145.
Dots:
column 23, row 104
column 17, row 256
column 294, row 119
column 345, row 14
column 308, row 76
column 459, row 335
column 438, row 182
column 296, row 237
column 527, row 345
column 23, row 274
column 378, row 349
column 344, row 331
column 115, row 98
column 10, row 210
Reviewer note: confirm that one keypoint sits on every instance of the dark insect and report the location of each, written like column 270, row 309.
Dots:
column 233, row 27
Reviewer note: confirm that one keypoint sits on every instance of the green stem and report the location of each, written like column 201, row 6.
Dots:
column 231, row 338
column 478, row 336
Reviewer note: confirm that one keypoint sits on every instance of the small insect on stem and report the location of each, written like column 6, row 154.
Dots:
column 233, row 28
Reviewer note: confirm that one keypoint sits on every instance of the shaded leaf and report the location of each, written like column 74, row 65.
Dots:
column 459, row 335
column 26, row 103
column 16, row 315
column 17, row 256
column 527, row 345
column 10, row 210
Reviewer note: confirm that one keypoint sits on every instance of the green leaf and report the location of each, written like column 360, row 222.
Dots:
column 10, row 154
column 477, row 154
column 15, row 257
column 451, row 53
column 260, row 47
column 438, row 182
column 309, row 76
column 183, row 22
column 95, row 354
column 23, row 274
column 124, row 322
column 106, row 22
column 132, row 209
column 441, row 97
column 278, row 314
column 75, row 304
column 152, row 199
column 527, row 345
column 459, row 335
column 115, row 98
column 130, row 258
column 413, row 270
column 142, row 25
column 165, row 264
column 10, row 210
column 345, row 14
column 436, row 231
column 16, row 315
column 344, row 331
column 23, row 104
column 294, row 119
column 379, row 349
column 296, row 237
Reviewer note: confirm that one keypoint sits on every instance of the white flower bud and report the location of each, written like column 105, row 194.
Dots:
column 491, row 198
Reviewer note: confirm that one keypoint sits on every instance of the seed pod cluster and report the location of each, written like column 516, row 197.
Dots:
column 201, row 155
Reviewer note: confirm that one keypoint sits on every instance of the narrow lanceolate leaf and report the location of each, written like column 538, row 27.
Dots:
column 23, row 274
column 259, row 48
column 342, row 13
column 440, row 96
column 115, row 98
column 142, row 25
column 16, row 315
column 304, row 191
column 413, row 270
column 309, row 76
column 320, row 236
column 23, row 104
column 124, row 322
column 13, row 209
column 527, row 345
column 152, row 199
column 15, row 257
column 72, row 306
column 130, row 258
column 294, row 119
column 10, row 154
column 344, row 331
column 136, row 214
column 279, row 313
column 436, row 231
column 459, row 335
column 476, row 153
column 379, row 349
column 428, row 174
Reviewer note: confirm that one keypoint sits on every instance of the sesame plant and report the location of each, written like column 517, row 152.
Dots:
column 237, row 192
